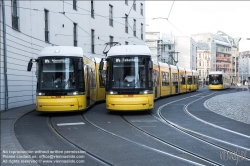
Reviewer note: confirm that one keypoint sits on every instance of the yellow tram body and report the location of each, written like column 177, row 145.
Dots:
column 218, row 80
column 163, row 79
column 79, row 85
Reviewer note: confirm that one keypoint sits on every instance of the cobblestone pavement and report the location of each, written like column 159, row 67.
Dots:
column 235, row 106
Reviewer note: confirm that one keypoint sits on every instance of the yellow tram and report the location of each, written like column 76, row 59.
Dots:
column 218, row 80
column 133, row 80
column 67, row 80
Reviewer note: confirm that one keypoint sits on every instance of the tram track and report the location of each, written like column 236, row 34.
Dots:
column 193, row 133
column 171, row 145
column 50, row 124
column 140, row 144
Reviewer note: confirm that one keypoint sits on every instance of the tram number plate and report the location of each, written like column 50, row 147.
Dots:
column 128, row 95
column 55, row 96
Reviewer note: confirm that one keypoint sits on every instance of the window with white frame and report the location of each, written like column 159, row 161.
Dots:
column 126, row 23
column 134, row 28
column 141, row 9
column 134, row 5
column 15, row 18
column 110, row 15
column 92, row 41
column 46, row 19
column 75, row 34
column 92, row 9
column 142, row 31
column 74, row 4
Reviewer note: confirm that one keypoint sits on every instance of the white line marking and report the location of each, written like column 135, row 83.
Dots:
column 68, row 124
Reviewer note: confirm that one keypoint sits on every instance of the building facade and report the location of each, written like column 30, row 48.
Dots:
column 206, row 59
column 32, row 25
column 244, row 65
column 226, row 52
column 186, row 49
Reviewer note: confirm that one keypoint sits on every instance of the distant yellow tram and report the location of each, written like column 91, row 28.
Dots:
column 218, row 80
column 67, row 80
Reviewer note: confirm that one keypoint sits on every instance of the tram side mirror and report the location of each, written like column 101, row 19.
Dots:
column 80, row 65
column 29, row 65
column 150, row 65
column 101, row 65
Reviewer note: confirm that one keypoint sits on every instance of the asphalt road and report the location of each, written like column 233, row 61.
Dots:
column 178, row 131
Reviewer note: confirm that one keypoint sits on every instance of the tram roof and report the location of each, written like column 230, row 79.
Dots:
column 61, row 51
column 129, row 50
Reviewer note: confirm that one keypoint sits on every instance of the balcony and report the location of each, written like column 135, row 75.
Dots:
column 15, row 22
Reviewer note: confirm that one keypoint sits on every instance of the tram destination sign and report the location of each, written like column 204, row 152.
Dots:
column 55, row 60
column 124, row 60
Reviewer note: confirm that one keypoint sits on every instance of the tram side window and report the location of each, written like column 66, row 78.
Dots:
column 183, row 82
column 92, row 80
column 189, row 80
column 102, row 78
column 165, row 78
column 155, row 78
column 175, row 78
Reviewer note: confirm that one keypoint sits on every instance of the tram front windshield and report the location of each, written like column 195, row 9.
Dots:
column 129, row 72
column 59, row 74
column 215, row 79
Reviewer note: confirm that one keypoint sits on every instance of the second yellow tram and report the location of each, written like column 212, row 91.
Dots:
column 149, row 80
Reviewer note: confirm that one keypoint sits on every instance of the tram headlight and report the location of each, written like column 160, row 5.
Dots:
column 75, row 93
column 111, row 92
column 146, row 92
column 40, row 94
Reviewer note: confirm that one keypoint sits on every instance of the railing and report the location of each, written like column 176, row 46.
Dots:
column 15, row 21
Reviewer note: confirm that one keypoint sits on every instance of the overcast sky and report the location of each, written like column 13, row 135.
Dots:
column 192, row 17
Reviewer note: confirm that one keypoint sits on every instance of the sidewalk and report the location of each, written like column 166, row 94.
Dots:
column 9, row 143
column 235, row 106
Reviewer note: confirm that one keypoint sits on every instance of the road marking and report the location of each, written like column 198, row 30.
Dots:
column 68, row 124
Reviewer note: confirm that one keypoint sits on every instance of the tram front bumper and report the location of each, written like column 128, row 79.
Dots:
column 215, row 86
column 129, row 102
column 63, row 104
